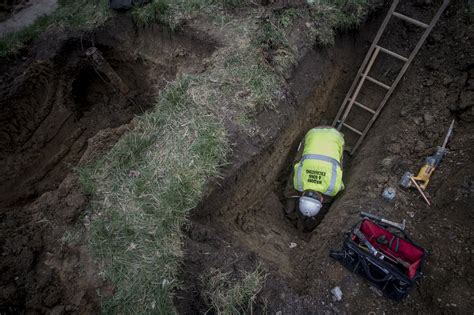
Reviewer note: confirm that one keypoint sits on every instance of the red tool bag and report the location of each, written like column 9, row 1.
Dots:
column 392, row 263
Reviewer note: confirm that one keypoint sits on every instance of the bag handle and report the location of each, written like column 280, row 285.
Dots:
column 387, row 277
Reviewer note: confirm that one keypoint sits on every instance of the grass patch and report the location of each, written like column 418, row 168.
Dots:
column 174, row 12
column 233, row 296
column 146, row 185
column 70, row 13
column 253, row 80
column 322, row 20
column 332, row 16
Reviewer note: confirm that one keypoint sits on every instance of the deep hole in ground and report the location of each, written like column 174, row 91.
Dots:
column 58, row 108
column 241, row 223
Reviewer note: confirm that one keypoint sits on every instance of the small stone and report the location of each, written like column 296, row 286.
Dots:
column 389, row 193
column 336, row 294
column 293, row 245
column 404, row 113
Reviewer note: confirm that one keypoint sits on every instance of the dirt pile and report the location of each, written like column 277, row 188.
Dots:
column 242, row 222
column 59, row 109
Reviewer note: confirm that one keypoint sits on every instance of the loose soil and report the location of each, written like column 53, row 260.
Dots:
column 241, row 224
column 58, row 110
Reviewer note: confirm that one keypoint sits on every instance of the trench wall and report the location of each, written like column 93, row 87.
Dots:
column 247, row 206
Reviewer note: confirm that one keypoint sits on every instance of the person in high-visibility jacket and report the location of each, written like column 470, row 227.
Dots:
column 317, row 176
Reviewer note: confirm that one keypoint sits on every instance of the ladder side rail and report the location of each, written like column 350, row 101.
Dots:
column 366, row 59
column 401, row 73
column 359, row 86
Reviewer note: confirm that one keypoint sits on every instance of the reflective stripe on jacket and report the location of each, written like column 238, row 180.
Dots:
column 320, row 166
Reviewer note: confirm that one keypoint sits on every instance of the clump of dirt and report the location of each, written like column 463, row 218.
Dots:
column 242, row 223
column 58, row 108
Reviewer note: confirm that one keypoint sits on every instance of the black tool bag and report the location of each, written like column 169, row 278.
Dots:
column 396, row 266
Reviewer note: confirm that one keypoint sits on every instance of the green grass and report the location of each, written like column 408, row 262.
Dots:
column 230, row 296
column 136, row 229
column 82, row 14
column 332, row 16
column 174, row 12
column 322, row 20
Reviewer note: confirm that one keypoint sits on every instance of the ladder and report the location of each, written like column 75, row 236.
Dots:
column 363, row 74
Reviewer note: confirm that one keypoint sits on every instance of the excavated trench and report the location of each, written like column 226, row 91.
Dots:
column 66, row 99
column 61, row 100
column 242, row 222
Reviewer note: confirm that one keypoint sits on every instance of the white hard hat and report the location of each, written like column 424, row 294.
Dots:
column 309, row 207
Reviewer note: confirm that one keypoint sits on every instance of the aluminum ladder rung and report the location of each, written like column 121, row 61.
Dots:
column 363, row 106
column 393, row 54
column 352, row 128
column 385, row 86
column 409, row 19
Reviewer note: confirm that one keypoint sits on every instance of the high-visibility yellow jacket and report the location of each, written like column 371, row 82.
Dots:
column 320, row 166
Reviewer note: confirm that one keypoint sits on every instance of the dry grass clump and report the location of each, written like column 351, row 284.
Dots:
column 229, row 296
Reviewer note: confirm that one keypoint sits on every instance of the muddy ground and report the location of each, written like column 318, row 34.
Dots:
column 58, row 110
column 242, row 224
